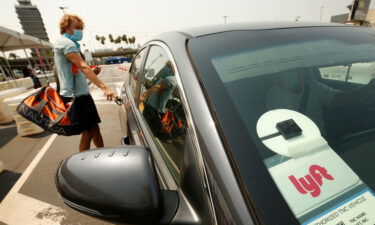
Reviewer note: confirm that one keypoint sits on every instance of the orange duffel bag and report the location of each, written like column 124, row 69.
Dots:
column 46, row 109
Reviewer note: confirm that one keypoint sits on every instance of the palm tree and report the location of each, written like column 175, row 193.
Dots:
column 132, row 41
column 111, row 39
column 117, row 41
column 124, row 39
column 102, row 40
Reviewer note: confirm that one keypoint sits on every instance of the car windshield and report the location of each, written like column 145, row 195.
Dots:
column 303, row 99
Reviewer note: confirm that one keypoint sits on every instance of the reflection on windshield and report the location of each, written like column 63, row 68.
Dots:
column 301, row 92
column 310, row 108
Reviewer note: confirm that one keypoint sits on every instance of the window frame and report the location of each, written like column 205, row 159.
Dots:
column 165, row 177
column 135, row 95
column 165, row 156
column 191, row 133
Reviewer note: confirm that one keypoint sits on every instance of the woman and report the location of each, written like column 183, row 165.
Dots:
column 72, row 73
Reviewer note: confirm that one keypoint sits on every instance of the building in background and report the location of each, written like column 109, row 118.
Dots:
column 342, row 18
column 32, row 24
column 359, row 14
column 358, row 11
column 31, row 20
column 371, row 18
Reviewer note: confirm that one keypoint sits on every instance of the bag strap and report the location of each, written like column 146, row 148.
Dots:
column 59, row 117
column 60, row 114
column 40, row 106
column 57, row 80
column 41, row 103
column 53, row 101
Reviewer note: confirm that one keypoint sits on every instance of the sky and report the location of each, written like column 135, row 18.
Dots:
column 146, row 18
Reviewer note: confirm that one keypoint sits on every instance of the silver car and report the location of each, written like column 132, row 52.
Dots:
column 254, row 123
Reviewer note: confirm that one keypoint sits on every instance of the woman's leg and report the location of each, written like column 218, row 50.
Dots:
column 97, row 136
column 86, row 138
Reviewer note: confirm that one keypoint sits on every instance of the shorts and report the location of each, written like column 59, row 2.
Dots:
column 86, row 111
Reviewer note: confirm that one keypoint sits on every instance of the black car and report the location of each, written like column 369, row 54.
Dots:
column 254, row 123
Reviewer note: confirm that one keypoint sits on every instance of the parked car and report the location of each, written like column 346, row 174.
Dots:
column 236, row 124
column 117, row 60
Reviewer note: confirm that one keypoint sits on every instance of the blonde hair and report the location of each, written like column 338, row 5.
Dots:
column 67, row 19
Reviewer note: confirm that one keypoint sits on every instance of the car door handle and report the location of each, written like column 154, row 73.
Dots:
column 124, row 98
column 118, row 101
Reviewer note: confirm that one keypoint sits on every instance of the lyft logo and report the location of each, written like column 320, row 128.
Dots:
column 311, row 182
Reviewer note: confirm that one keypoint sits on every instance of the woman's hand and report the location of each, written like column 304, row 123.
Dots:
column 109, row 93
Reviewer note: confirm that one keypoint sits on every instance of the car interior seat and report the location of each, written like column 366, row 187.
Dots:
column 249, row 95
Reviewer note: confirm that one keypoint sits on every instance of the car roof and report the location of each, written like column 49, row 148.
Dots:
column 219, row 28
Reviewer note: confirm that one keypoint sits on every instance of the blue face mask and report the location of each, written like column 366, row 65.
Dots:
column 77, row 35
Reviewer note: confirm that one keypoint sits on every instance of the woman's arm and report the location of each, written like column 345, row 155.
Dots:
column 156, row 88
column 77, row 60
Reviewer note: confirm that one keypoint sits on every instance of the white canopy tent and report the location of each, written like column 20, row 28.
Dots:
column 12, row 40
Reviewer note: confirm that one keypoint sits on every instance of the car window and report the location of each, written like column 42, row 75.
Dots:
column 314, row 138
column 162, row 109
column 360, row 73
column 135, row 70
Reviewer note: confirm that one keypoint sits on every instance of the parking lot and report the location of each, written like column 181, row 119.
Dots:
column 27, row 189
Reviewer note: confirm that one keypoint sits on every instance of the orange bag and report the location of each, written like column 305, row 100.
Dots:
column 46, row 109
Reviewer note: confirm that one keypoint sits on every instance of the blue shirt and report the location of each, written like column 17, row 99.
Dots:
column 70, row 84
column 159, row 100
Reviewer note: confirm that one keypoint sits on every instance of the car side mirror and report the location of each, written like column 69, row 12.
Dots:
column 112, row 183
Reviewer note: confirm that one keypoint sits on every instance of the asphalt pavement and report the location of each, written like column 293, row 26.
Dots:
column 27, row 189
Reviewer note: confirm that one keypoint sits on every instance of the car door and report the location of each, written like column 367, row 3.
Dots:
column 159, row 112
column 128, row 95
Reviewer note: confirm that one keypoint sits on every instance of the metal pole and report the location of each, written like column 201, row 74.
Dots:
column 40, row 67
column 225, row 19
column 10, row 68
column 321, row 12
column 34, row 61
column 3, row 72
column 23, row 47
column 63, row 9
column 45, row 57
column 90, row 41
column 45, row 75
column 5, row 58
